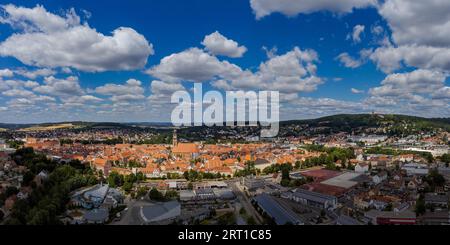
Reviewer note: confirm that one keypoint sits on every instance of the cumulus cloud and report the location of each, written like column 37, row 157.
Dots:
column 162, row 92
column 6, row 73
column 390, row 59
column 421, row 35
column 20, row 93
column 442, row 93
column 418, row 22
column 130, row 91
column 192, row 65
column 60, row 87
column 356, row 91
column 305, row 107
column 294, row 71
column 31, row 84
column 132, row 86
column 160, row 87
column 356, row 34
column 348, row 61
column 263, row 8
column 80, row 100
column 418, row 81
column 33, row 74
column 377, row 30
column 217, row 44
column 22, row 97
column 418, row 92
column 49, row 40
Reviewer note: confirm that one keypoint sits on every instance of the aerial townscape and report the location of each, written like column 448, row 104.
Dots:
column 125, row 174
column 237, row 119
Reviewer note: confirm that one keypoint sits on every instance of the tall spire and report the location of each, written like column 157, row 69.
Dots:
column 175, row 139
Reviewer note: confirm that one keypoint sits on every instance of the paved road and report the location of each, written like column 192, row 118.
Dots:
column 132, row 215
column 245, row 202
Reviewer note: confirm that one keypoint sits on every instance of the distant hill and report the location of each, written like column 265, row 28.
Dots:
column 396, row 124
column 390, row 123
column 78, row 125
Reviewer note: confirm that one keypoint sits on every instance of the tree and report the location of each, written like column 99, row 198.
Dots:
column 251, row 221
column 227, row 219
column 27, row 178
column 156, row 195
column 127, row 186
column 115, row 180
column 420, row 207
column 445, row 158
column 435, row 179
column 285, row 182
column 170, row 195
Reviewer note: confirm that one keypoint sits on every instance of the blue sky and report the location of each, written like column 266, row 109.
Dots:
column 353, row 71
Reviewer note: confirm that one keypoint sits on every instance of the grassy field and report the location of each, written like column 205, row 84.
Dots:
column 48, row 128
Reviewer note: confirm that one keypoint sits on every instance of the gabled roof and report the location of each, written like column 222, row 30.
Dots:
column 185, row 148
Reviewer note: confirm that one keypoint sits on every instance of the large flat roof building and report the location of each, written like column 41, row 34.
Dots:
column 315, row 199
column 276, row 211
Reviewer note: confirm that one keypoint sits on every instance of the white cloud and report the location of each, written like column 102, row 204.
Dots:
column 418, row 22
column 377, row 30
column 132, row 86
column 60, row 87
column 130, row 91
column 292, row 72
column 80, row 100
column 442, row 93
column 222, row 84
column 348, row 61
column 421, row 34
column 20, row 103
column 390, row 59
column 45, row 72
column 192, row 65
column 356, row 91
column 49, row 40
column 405, row 84
column 217, row 44
column 420, row 92
column 304, row 107
column 159, row 87
column 161, row 95
column 31, row 84
column 6, row 73
column 20, row 93
column 357, row 31
column 263, row 8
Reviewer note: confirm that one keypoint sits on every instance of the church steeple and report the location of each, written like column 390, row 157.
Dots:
column 175, row 139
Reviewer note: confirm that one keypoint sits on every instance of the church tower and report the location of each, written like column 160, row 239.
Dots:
column 174, row 139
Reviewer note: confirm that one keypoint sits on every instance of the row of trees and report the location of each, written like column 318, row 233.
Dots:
column 446, row 158
column 125, row 181
column 192, row 175
column 47, row 201
column 160, row 197
column 393, row 152
column 248, row 170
